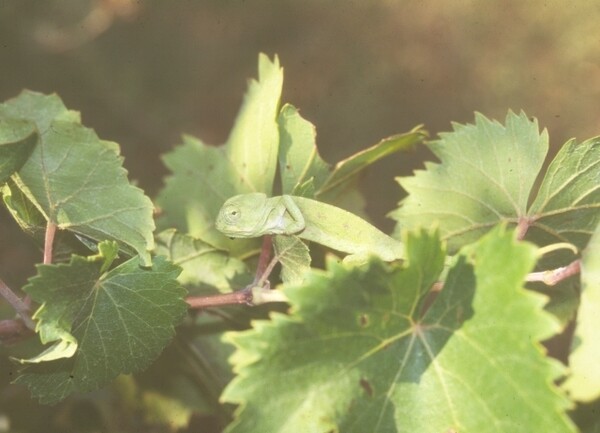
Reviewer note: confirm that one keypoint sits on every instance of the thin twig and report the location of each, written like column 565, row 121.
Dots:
column 555, row 276
column 18, row 305
column 243, row 296
column 251, row 295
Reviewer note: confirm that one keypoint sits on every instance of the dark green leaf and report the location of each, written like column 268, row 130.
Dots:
column 120, row 319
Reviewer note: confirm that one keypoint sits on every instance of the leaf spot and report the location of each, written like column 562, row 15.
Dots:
column 366, row 386
column 363, row 320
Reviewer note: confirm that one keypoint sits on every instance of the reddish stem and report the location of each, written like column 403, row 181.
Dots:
column 18, row 305
column 243, row 296
column 522, row 227
column 265, row 255
column 13, row 331
column 555, row 276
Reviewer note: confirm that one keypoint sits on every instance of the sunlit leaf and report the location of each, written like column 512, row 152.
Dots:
column 567, row 206
column 583, row 382
column 299, row 159
column 205, row 176
column 486, row 174
column 364, row 351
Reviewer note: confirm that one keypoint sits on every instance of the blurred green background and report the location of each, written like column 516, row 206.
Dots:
column 144, row 72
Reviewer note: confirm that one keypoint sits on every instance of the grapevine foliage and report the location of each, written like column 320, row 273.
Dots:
column 448, row 340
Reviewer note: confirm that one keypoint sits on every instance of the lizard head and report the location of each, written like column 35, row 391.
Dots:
column 241, row 214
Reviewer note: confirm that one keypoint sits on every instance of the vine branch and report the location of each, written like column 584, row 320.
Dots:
column 18, row 305
column 555, row 276
column 259, row 292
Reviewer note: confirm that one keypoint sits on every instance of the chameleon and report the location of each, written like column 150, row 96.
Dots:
column 254, row 214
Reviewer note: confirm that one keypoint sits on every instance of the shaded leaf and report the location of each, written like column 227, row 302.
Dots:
column 203, row 266
column 204, row 176
column 121, row 320
column 583, row 383
column 358, row 354
column 17, row 140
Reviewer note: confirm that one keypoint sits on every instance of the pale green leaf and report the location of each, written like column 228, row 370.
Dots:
column 203, row 266
column 362, row 353
column 24, row 212
column 64, row 346
column 567, row 207
column 294, row 257
column 583, row 382
column 18, row 137
column 486, row 175
column 254, row 140
column 121, row 319
column 299, row 159
column 205, row 176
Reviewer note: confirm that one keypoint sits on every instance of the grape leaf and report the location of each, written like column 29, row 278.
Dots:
column 300, row 162
column 39, row 108
column 203, row 266
column 583, row 382
column 299, row 159
column 24, row 212
column 204, row 176
column 121, row 320
column 362, row 352
column 17, row 139
column 76, row 180
column 486, row 175
column 294, row 257
column 567, row 207
column 347, row 169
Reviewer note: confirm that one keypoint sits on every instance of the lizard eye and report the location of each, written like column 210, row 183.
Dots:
column 232, row 214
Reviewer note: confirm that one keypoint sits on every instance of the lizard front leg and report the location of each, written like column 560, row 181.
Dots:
column 296, row 222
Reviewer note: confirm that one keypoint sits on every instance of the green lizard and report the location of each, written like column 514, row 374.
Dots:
column 254, row 214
